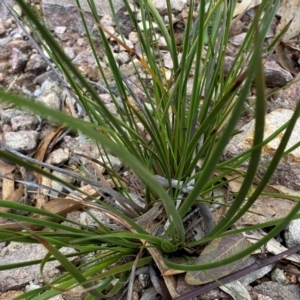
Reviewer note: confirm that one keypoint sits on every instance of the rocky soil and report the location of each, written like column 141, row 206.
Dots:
column 24, row 70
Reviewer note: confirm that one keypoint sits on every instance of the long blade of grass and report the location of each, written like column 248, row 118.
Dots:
column 102, row 139
column 257, row 140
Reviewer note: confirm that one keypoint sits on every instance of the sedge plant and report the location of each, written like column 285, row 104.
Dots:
column 172, row 140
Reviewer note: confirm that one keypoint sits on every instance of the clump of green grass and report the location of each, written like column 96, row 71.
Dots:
column 181, row 129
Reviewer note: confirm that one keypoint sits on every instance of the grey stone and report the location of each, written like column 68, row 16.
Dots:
column 168, row 62
column 275, row 75
column 77, row 293
column 162, row 41
column 78, row 146
column 73, row 217
column 57, row 185
column 287, row 98
column 50, row 94
column 238, row 40
column 32, row 286
column 70, row 52
column 144, row 280
column 4, row 41
column 150, row 294
column 18, row 61
column 228, row 62
column 133, row 37
column 10, row 295
column 17, row 9
column 138, row 199
column 62, row 33
column 124, row 21
column 36, row 64
column 138, row 15
column 292, row 233
column 2, row 28
column 162, row 7
column 65, row 13
column 288, row 170
column 237, row 29
column 123, row 57
column 40, row 79
column 5, row 15
column 58, row 156
column 278, row 276
column 21, row 45
column 5, row 53
column 111, row 161
column 22, row 141
column 2, row 245
column 60, row 29
column 145, row 26
column 86, row 63
column 236, row 290
column 51, row 100
column 7, row 114
column 107, row 21
column 182, row 288
column 110, row 29
column 277, row 291
column 20, row 277
column 24, row 123
column 17, row 33
column 87, row 219
column 253, row 276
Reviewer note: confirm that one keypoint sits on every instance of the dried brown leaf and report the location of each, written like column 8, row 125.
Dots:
column 43, row 147
column 271, row 246
column 158, row 283
column 184, row 15
column 44, row 144
column 58, row 206
column 217, row 250
column 286, row 191
column 6, row 168
column 289, row 14
column 234, row 183
column 8, row 186
column 289, row 11
column 245, row 5
column 61, row 206
column 158, row 258
column 179, row 260
column 172, row 272
column 284, row 55
column 41, row 197
column 86, row 190
column 266, row 209
column 9, row 192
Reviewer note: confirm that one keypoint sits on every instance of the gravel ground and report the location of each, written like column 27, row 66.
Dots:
column 23, row 69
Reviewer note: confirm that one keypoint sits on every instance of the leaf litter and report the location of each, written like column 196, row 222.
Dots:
column 217, row 250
